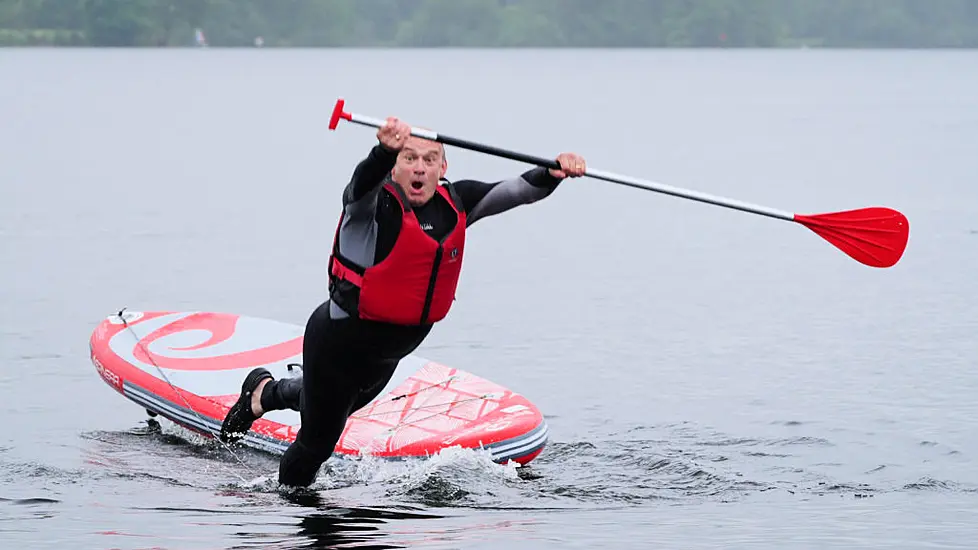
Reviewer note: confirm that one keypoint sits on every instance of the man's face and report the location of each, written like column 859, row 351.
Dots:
column 420, row 165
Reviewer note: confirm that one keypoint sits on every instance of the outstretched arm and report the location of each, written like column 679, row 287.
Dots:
column 482, row 199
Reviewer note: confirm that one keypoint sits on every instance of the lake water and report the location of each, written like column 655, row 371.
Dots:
column 710, row 378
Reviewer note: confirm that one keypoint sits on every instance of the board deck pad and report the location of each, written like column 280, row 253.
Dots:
column 188, row 367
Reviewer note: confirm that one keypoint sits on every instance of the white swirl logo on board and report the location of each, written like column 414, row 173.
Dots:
column 223, row 346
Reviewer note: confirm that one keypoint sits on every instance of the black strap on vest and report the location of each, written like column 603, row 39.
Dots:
column 403, row 200
column 453, row 193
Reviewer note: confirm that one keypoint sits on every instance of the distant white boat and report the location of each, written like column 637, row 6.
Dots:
column 199, row 38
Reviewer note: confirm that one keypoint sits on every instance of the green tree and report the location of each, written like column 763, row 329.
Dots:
column 121, row 22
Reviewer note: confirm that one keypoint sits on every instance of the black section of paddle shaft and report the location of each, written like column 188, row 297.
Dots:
column 482, row 148
column 496, row 151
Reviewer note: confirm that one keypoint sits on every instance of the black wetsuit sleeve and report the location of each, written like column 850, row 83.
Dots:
column 482, row 199
column 369, row 175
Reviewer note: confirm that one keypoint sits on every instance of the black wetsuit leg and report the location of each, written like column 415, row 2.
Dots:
column 346, row 363
column 285, row 393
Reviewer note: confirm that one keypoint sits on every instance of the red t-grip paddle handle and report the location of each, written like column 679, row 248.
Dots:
column 338, row 114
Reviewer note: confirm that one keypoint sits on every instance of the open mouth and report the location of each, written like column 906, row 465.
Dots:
column 417, row 185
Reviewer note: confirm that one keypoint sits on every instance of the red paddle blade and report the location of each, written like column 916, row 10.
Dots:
column 875, row 236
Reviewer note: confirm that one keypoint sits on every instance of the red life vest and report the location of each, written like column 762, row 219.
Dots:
column 415, row 284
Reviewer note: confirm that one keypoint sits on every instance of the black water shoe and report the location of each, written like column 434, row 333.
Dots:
column 240, row 418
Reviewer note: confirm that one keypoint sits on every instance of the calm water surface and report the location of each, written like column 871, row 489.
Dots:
column 711, row 378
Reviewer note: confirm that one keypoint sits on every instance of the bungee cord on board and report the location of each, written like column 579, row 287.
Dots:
column 444, row 382
column 407, row 416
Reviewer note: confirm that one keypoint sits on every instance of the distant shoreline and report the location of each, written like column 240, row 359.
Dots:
column 484, row 24
column 500, row 48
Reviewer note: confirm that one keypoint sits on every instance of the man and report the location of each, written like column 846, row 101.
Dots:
column 396, row 259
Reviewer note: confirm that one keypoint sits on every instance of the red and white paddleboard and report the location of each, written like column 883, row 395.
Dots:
column 188, row 367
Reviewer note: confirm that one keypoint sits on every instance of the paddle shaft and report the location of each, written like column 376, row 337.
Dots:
column 597, row 174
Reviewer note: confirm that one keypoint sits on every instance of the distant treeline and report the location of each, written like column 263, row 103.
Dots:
column 492, row 23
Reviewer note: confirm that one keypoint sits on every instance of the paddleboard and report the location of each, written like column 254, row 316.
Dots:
column 187, row 366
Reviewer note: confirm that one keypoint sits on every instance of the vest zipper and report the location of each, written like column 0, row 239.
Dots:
column 431, row 285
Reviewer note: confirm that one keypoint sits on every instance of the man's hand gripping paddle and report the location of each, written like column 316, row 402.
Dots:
column 875, row 236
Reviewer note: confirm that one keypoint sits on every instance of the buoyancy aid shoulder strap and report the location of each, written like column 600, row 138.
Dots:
column 453, row 195
column 394, row 189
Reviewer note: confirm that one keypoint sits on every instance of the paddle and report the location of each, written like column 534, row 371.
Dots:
column 875, row 236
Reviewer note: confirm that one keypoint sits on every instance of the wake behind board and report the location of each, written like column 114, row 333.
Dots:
column 188, row 368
